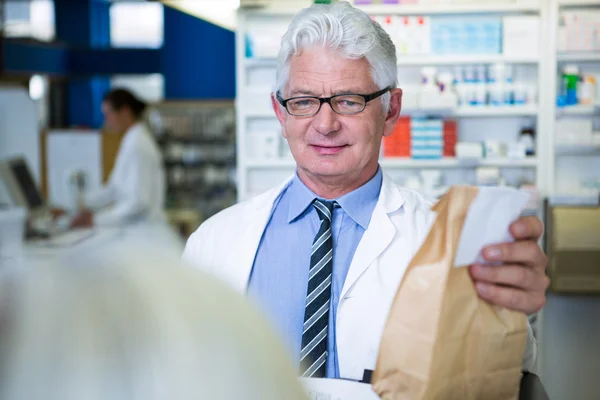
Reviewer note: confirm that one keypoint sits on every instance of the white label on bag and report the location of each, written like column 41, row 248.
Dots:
column 487, row 222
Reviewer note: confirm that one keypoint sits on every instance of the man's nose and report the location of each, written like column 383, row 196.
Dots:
column 326, row 120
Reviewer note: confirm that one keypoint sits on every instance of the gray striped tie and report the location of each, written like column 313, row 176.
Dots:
column 313, row 354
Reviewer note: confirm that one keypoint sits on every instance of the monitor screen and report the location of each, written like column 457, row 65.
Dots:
column 27, row 185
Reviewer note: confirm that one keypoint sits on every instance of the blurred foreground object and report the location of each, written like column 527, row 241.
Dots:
column 135, row 325
column 454, row 345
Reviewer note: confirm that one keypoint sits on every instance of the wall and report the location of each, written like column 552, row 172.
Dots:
column 19, row 134
column 198, row 58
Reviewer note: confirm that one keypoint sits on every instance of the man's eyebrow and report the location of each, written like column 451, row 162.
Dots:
column 308, row 92
column 302, row 92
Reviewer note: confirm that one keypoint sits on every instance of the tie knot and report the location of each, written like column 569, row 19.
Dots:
column 324, row 208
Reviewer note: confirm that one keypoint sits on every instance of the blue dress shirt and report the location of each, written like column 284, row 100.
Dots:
column 279, row 276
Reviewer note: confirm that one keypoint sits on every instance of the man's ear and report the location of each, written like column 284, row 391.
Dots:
column 394, row 112
column 280, row 113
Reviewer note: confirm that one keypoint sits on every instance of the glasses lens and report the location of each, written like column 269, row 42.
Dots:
column 303, row 106
column 348, row 104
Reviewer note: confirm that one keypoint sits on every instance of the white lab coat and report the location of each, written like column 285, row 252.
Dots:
column 226, row 245
column 135, row 191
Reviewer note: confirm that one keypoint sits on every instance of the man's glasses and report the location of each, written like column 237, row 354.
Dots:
column 345, row 104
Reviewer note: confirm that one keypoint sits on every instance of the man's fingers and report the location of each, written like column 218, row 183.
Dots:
column 511, row 298
column 517, row 276
column 525, row 252
column 529, row 227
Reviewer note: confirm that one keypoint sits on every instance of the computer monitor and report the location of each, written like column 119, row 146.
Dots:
column 21, row 187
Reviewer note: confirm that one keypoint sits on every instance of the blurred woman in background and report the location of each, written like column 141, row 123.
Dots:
column 135, row 325
column 136, row 187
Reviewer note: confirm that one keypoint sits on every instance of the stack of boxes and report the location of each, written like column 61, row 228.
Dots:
column 579, row 31
column 426, row 141
column 422, row 139
column 450, row 138
column 398, row 144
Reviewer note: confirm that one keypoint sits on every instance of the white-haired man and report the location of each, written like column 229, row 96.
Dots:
column 324, row 253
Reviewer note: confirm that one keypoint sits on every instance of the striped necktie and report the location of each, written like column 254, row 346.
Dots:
column 313, row 354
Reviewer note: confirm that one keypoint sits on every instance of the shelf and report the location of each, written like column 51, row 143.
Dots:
column 432, row 9
column 578, row 3
column 431, row 59
column 460, row 112
column 478, row 112
column 579, row 56
column 416, row 9
column 455, row 163
column 417, row 60
column 410, row 163
column 579, row 109
column 576, row 150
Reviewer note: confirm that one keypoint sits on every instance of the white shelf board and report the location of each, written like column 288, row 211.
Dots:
column 432, row 9
column 578, row 3
column 532, row 6
column 579, row 109
column 410, row 60
column 478, row 112
column 399, row 162
column 579, row 56
column 576, row 150
column 499, row 111
column 418, row 60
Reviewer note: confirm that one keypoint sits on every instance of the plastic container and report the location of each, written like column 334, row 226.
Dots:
column 496, row 73
column 496, row 93
column 587, row 90
column 428, row 76
column 570, row 78
column 445, row 81
column 12, row 232
column 520, row 94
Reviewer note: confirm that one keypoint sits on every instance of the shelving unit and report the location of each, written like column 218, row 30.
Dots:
column 567, row 164
column 256, row 78
column 197, row 139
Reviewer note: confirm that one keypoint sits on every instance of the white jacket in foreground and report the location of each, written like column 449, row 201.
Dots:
column 135, row 191
column 226, row 245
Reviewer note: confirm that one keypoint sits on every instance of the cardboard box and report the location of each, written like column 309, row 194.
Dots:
column 573, row 241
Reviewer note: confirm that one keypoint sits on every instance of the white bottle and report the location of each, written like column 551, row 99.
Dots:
column 496, row 73
column 520, row 94
column 496, row 94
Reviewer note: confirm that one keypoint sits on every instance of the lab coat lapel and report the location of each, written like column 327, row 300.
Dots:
column 379, row 234
column 257, row 219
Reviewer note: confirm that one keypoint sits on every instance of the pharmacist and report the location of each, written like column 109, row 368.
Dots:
column 136, row 188
column 324, row 253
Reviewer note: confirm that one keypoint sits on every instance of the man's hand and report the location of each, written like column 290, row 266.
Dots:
column 520, row 283
column 85, row 219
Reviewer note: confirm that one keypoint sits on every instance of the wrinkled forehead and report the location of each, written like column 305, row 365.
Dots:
column 319, row 69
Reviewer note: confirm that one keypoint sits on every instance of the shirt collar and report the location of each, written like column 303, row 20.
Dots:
column 358, row 204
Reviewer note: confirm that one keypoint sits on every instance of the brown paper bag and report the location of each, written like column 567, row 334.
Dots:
column 441, row 341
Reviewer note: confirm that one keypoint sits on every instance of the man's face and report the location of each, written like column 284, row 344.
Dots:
column 327, row 146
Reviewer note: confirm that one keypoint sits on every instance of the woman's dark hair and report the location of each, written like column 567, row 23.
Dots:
column 119, row 98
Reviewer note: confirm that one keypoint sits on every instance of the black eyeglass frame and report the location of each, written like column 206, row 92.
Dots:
column 367, row 97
